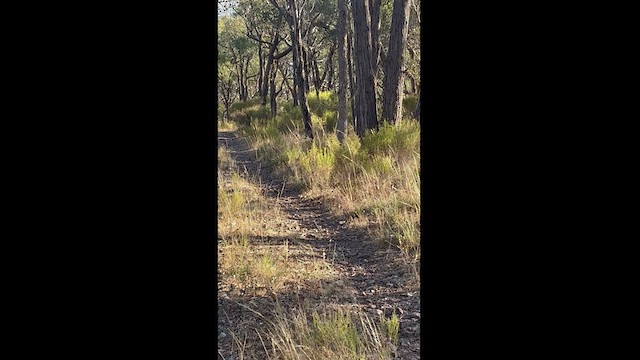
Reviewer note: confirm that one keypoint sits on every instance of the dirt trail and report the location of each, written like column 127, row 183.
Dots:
column 370, row 278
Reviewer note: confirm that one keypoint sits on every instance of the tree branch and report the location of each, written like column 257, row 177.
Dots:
column 283, row 53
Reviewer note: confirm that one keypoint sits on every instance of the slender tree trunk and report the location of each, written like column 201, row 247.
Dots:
column 330, row 77
column 416, row 111
column 328, row 69
column 294, row 91
column 262, row 76
column 272, row 93
column 246, row 74
column 350, row 71
column 270, row 58
column 374, row 11
column 297, row 67
column 240, row 81
column 393, row 77
column 342, row 69
column 285, row 80
column 316, row 77
column 306, row 75
column 365, row 79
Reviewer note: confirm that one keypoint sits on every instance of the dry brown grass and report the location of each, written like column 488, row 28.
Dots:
column 332, row 332
column 254, row 255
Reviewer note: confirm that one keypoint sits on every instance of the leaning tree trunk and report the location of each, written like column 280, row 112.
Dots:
column 342, row 69
column 365, row 80
column 393, row 81
column 270, row 57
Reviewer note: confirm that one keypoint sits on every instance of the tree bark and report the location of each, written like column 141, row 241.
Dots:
column 297, row 67
column 316, row 77
column 262, row 77
column 374, row 10
column 365, row 80
column 351, row 72
column 341, row 43
column 393, row 77
column 272, row 93
column 306, row 75
column 328, row 69
column 272, row 49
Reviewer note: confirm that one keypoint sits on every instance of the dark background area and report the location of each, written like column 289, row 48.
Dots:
column 121, row 120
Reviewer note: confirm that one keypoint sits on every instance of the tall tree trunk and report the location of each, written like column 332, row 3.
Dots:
column 365, row 80
column 350, row 71
column 272, row 93
column 296, row 43
column 240, row 81
column 270, row 57
column 342, row 69
column 331, row 76
column 416, row 111
column 374, row 11
column 294, row 91
column 306, row 74
column 285, row 79
column 328, row 69
column 262, row 76
column 316, row 77
column 393, row 81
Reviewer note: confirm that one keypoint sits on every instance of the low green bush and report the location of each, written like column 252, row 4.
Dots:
column 409, row 102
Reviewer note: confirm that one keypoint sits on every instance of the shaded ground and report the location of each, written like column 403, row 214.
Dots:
column 365, row 276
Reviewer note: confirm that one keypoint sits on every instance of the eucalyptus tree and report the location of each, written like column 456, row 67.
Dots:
column 233, row 43
column 365, row 97
column 320, row 41
column 341, row 44
column 393, row 80
column 292, row 12
column 264, row 26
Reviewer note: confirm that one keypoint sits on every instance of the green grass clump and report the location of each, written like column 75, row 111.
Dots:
column 259, row 112
column 326, row 101
column 409, row 104
column 335, row 330
column 241, row 105
column 312, row 167
column 400, row 140
column 329, row 333
column 391, row 327
column 330, row 120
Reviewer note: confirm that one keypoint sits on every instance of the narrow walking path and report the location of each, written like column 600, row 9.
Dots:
column 366, row 277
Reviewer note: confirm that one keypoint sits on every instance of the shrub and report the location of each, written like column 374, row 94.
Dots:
column 409, row 102
column 326, row 101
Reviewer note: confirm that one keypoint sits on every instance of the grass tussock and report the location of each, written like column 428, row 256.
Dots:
column 332, row 333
